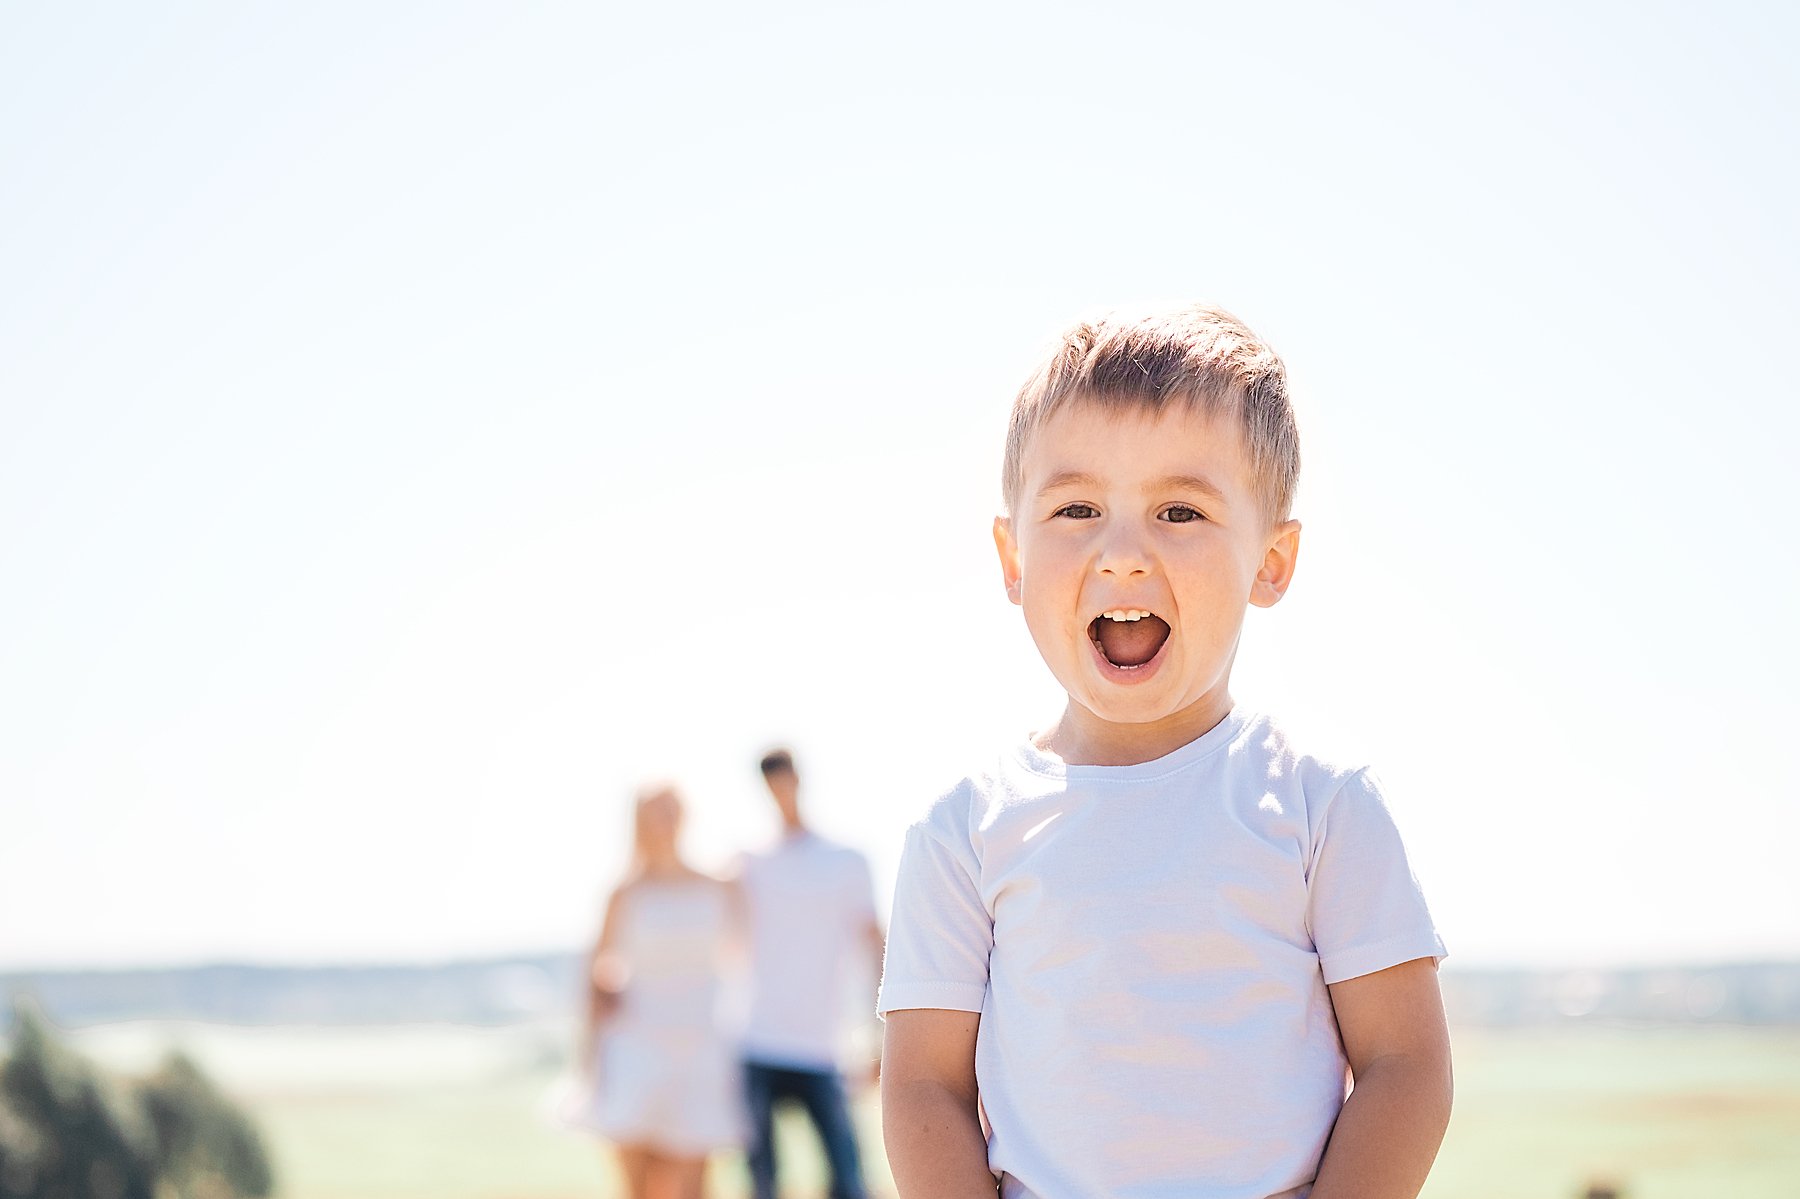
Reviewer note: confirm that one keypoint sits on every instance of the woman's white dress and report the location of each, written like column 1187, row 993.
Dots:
column 666, row 1073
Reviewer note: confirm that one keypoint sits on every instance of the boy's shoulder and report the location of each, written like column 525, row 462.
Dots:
column 956, row 807
column 1302, row 751
column 1316, row 768
column 1259, row 752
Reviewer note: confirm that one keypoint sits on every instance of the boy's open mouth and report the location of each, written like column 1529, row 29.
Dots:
column 1128, row 637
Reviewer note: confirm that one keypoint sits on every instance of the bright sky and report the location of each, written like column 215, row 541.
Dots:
column 417, row 425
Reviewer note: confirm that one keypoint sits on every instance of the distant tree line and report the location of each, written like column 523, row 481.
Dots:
column 69, row 1132
column 518, row 989
column 489, row 991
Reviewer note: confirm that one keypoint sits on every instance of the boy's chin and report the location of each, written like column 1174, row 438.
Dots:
column 1148, row 706
column 1128, row 709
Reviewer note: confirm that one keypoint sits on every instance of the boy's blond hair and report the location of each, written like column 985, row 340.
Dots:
column 1199, row 356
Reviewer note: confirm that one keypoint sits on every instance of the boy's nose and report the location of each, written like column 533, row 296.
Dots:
column 1123, row 554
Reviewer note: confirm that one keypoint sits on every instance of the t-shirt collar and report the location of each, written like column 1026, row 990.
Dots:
column 1043, row 762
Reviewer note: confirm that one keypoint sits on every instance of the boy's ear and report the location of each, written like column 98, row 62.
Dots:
column 1277, row 569
column 1009, row 559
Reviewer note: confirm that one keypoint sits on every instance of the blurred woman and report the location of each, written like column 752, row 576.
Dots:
column 662, row 1074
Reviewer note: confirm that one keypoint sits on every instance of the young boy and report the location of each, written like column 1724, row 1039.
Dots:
column 1139, row 955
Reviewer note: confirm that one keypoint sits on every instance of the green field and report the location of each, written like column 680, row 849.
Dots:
column 455, row 1113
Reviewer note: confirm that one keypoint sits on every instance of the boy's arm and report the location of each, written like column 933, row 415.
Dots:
column 1392, row 1024
column 930, row 1117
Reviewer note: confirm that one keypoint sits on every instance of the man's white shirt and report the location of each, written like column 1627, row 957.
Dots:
column 810, row 904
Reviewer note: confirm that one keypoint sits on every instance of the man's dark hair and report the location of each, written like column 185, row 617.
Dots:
column 776, row 761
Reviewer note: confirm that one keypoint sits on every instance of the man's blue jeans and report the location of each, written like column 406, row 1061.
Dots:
column 821, row 1093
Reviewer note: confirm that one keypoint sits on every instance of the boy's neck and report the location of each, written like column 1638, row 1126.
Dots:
column 1081, row 738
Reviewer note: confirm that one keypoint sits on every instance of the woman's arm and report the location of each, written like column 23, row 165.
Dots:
column 605, row 980
column 1386, row 1137
column 930, row 1111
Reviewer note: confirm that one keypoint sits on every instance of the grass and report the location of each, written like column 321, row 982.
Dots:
column 485, row 1143
column 452, row 1113
column 1669, row 1113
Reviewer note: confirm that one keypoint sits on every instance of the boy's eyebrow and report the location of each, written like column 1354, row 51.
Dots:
column 1068, row 478
column 1191, row 483
column 1081, row 478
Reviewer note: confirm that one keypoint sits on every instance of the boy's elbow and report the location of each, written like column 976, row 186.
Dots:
column 926, row 1094
column 1436, row 1081
column 928, row 1115
column 1435, row 1072
column 1422, row 1078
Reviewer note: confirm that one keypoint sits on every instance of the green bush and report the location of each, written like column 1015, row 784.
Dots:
column 205, row 1146
column 66, row 1132
column 73, row 1136
column 20, row 1149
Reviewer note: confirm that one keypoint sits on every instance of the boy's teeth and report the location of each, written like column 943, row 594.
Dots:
column 1125, row 614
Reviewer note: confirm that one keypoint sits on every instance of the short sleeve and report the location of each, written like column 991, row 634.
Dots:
column 859, row 890
column 1364, row 906
column 941, row 933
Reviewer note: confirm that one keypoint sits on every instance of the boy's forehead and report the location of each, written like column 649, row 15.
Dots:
column 1086, row 437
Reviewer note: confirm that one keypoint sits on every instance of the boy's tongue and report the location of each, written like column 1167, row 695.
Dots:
column 1131, row 642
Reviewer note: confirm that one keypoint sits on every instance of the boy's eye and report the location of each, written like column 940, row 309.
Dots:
column 1078, row 511
column 1181, row 514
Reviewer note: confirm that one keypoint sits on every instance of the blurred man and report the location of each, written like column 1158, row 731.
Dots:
column 811, row 914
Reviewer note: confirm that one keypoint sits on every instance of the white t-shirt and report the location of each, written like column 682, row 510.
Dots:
column 811, row 902
column 1149, row 948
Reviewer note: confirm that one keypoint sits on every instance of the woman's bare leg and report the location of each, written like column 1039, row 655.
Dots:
column 692, row 1172
column 660, row 1178
column 635, row 1163
column 676, row 1177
